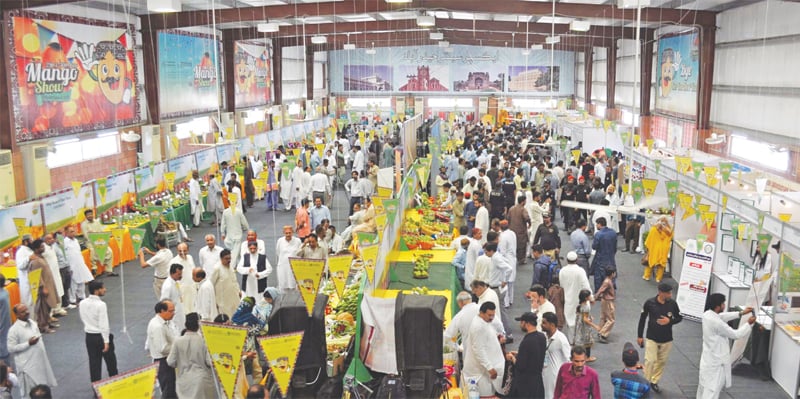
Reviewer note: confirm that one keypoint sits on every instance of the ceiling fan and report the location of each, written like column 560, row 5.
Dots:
column 716, row 139
column 130, row 136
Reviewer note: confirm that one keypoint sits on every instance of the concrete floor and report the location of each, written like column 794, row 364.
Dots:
column 70, row 363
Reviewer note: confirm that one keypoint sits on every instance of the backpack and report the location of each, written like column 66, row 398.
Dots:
column 546, row 276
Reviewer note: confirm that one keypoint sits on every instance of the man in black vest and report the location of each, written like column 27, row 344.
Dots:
column 254, row 268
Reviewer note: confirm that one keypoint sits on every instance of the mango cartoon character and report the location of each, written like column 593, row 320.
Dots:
column 225, row 360
column 308, row 285
column 339, row 275
column 667, row 71
column 282, row 364
column 106, row 64
column 244, row 74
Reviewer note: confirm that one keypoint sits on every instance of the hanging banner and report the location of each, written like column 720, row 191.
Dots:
column 281, row 352
column 155, row 215
column 638, row 190
column 636, row 140
column 252, row 74
column 339, row 269
column 672, row 192
column 576, row 154
column 725, row 169
column 137, row 383
column 137, row 237
column 308, row 274
column 99, row 243
column 649, row 186
column 657, row 163
column 724, row 202
column 102, row 189
column 760, row 221
column 365, row 239
column 391, row 209
column 369, row 255
column 70, row 75
column 120, row 191
column 18, row 220
column 701, row 209
column 711, row 175
column 763, row 242
column 385, row 192
column 695, row 278
column 119, row 234
column 64, row 208
column 34, row 277
column 790, row 274
column 708, row 218
column 149, row 179
column 188, row 72
column 785, row 217
column 169, row 180
column 650, row 143
column 625, row 136
column 225, row 344
column 678, row 57
column 697, row 168
column 380, row 223
column 76, row 188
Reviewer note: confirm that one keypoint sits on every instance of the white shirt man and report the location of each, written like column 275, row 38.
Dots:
column 195, row 200
column 51, row 257
column 161, row 333
column 507, row 247
column 209, row 255
column 482, row 222
column 572, row 279
column 285, row 247
column 483, row 269
column 22, row 260
column 231, row 229
column 94, row 315
column 298, row 191
column 30, row 355
column 358, row 161
column 321, row 184
column 252, row 236
column 459, row 325
column 171, row 290
column 205, row 302
column 248, row 267
column 558, row 352
column 483, row 357
column 473, row 251
column 355, row 188
column 80, row 272
column 159, row 262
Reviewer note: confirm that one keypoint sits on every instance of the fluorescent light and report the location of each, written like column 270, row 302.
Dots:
column 536, row 47
column 107, row 134
column 371, row 51
column 579, row 26
column 164, row 5
column 444, row 43
column 437, row 35
column 349, row 46
column 526, row 52
column 268, row 27
column 633, row 3
column 398, row 1
column 319, row 39
column 426, row 21
column 552, row 39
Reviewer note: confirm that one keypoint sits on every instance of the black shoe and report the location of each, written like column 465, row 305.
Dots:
column 655, row 387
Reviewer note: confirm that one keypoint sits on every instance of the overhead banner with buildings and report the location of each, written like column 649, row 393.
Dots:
column 69, row 75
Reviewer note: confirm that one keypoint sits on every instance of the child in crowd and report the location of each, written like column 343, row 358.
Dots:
column 555, row 294
column 584, row 325
column 607, row 294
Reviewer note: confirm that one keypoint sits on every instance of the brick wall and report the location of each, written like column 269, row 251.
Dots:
column 88, row 170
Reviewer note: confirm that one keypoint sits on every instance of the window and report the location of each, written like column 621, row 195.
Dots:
column 74, row 150
column 759, row 153
column 198, row 126
column 600, row 111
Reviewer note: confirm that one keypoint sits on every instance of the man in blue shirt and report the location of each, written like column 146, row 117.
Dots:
column 460, row 260
column 580, row 241
column 318, row 213
column 605, row 245
column 628, row 383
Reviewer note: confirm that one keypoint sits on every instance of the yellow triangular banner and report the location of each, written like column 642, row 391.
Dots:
column 708, row 218
column 380, row 223
column 281, row 353
column 724, row 202
column 385, row 192
column 339, row 268
column 369, row 255
column 683, row 164
column 785, row 217
column 22, row 227
column 597, row 123
column 225, row 344
column 711, row 175
column 169, row 180
column 689, row 211
column 76, row 188
column 308, row 274
column 137, row 383
column 606, row 125
column 649, row 186
column 741, row 229
column 119, row 235
column 576, row 154
column 637, row 139
column 33, row 280
column 650, row 143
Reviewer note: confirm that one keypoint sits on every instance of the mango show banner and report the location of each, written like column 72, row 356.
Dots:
column 281, row 352
column 188, row 73
column 339, row 269
column 67, row 207
column 137, row 383
column 70, row 75
column 137, row 237
column 251, row 74
column 149, row 179
column 308, row 274
column 99, row 241
column 120, row 190
column 225, row 344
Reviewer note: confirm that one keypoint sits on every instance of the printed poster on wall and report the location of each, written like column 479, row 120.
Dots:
column 470, row 78
column 206, row 161
column 224, row 153
column 187, row 74
column 252, row 74
column 695, row 278
column 677, row 73
column 423, row 77
column 120, row 190
column 368, row 77
column 182, row 167
column 67, row 207
column 18, row 220
column 70, row 75
column 149, row 179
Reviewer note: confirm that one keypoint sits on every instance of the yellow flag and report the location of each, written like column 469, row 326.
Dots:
column 385, row 192
column 22, row 226
column 169, row 180
column 785, row 217
column 380, row 222
column 260, row 126
column 576, row 154
column 137, row 383
column 606, row 125
column 361, row 139
column 252, row 139
column 741, row 228
column 377, row 204
column 649, row 186
column 216, row 137
column 33, row 280
column 597, row 123
column 119, row 235
column 237, row 155
column 625, row 188
column 637, row 139
column 229, row 132
column 369, row 255
column 688, row 211
column 76, row 188
column 176, row 143
column 724, row 202
column 233, row 199
column 650, row 143
column 339, row 268
column 711, row 175
column 281, row 353
column 708, row 218
column 308, row 274
column 225, row 344
column 682, row 164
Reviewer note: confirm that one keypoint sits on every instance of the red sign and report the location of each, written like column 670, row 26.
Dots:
column 70, row 75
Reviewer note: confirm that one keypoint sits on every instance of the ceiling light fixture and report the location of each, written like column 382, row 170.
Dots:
column 349, row 46
column 526, row 52
column 371, row 51
column 444, row 43
column 319, row 39
column 398, row 1
column 437, row 36
column 580, row 26
column 268, row 27
column 426, row 21
column 537, row 47
column 552, row 40
column 164, row 5
column 715, row 139
column 633, row 3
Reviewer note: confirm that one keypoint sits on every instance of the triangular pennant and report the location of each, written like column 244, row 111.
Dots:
column 760, row 221
column 697, row 168
column 152, row 166
column 650, row 143
column 34, row 277
column 391, row 209
column 339, row 269
column 380, row 223
column 169, row 180
column 700, row 239
column 119, row 236
column 576, row 155
column 369, row 255
column 724, row 202
column 626, row 135
column 154, row 211
column 76, row 188
column 308, row 274
column 649, row 186
column 708, row 218
column 21, row 224
column 741, row 229
column 688, row 211
column 281, row 353
column 598, row 123
column 763, row 242
column 606, row 125
column 636, row 140
column 725, row 169
column 102, row 189
column 785, row 217
column 137, row 383
column 233, row 199
column 638, row 190
column 672, row 192
column 137, row 237
column 225, row 344
column 711, row 175
column 99, row 242
column 657, row 163
column 701, row 209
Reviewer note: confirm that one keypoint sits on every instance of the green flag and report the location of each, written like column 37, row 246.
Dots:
column 700, row 240
column 725, row 169
column 102, row 189
column 638, row 190
column 99, row 243
column 155, row 215
column 366, row 238
column 657, row 162
column 137, row 237
column 390, row 205
column 763, row 242
column 697, row 168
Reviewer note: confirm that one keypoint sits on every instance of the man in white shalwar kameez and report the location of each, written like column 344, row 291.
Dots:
column 226, row 287
column 172, row 290
column 482, row 221
column 30, row 356
column 22, row 259
column 483, row 358
column 286, row 246
column 189, row 356
column 572, row 279
column 715, row 361
column 188, row 290
column 231, row 231
column 473, row 251
column 196, row 199
column 209, row 255
column 205, row 301
column 52, row 261
column 297, row 190
column 507, row 247
column 80, row 272
column 248, row 267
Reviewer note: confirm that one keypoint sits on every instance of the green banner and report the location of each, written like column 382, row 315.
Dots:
column 563, row 142
column 760, row 221
column 657, row 162
column 99, row 243
column 697, row 169
column 391, row 207
column 625, row 136
column 102, row 189
column 152, row 166
column 763, row 242
column 366, row 238
column 155, row 215
column 638, row 190
column 292, row 161
column 137, row 237
column 700, row 239
column 725, row 169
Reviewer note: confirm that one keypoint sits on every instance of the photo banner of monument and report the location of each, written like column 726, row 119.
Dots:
column 69, row 75
column 677, row 74
column 368, row 77
column 188, row 71
column 423, row 77
column 532, row 78
column 484, row 79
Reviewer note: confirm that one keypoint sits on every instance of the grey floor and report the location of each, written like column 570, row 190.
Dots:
column 70, row 363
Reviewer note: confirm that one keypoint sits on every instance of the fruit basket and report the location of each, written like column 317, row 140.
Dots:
column 422, row 265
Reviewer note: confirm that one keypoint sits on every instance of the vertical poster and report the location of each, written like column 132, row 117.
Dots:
column 69, row 75
column 18, row 220
column 251, row 73
column 677, row 73
column 137, row 383
column 368, row 77
column 67, row 207
column 308, row 274
column 188, row 74
column 225, row 344
column 695, row 278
